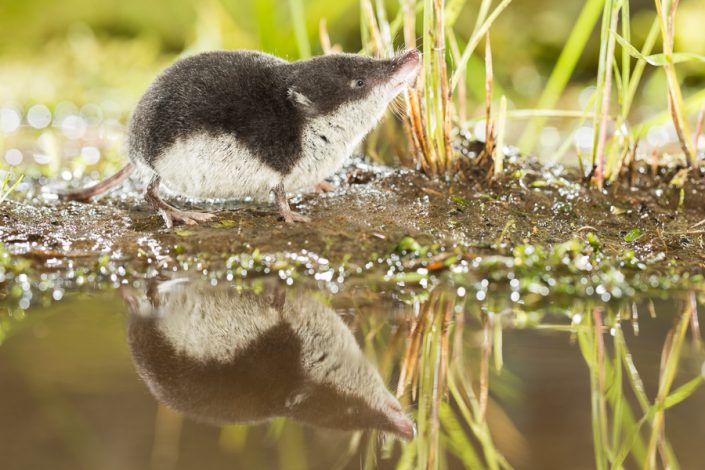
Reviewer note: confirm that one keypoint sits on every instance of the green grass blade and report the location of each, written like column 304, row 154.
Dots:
column 298, row 19
column 600, row 150
column 628, row 48
column 452, row 11
column 638, row 71
column 457, row 439
column 563, row 70
column 474, row 41
column 657, row 60
column 660, row 60
column 683, row 392
column 627, row 35
column 5, row 191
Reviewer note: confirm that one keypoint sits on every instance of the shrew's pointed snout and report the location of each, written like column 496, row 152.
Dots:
column 403, row 426
column 397, row 421
column 411, row 57
column 406, row 67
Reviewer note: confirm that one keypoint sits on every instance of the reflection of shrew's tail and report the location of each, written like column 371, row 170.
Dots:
column 85, row 194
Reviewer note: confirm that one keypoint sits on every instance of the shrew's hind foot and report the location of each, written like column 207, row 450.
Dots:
column 169, row 213
column 285, row 211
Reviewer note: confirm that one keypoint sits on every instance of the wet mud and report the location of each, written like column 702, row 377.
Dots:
column 375, row 214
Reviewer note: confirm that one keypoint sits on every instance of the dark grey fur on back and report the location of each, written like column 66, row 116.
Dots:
column 250, row 95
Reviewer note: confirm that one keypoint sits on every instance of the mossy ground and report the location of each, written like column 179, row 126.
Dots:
column 539, row 225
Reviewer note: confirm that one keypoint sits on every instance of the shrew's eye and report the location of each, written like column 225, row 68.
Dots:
column 359, row 83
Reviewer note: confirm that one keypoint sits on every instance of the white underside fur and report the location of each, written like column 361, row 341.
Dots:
column 209, row 166
column 220, row 167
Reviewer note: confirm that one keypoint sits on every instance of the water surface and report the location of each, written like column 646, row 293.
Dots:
column 180, row 374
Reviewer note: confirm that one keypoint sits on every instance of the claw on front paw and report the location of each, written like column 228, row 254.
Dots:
column 324, row 187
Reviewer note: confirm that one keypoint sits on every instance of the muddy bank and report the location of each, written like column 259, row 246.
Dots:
column 536, row 225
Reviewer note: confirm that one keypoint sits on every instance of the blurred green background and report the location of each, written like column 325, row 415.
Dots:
column 80, row 49
column 93, row 59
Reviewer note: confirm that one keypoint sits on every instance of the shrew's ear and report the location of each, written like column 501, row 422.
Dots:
column 301, row 101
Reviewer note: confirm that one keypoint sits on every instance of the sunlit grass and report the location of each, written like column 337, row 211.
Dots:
column 452, row 360
column 618, row 72
column 8, row 186
column 563, row 70
column 299, row 21
column 449, row 360
column 434, row 107
column 618, row 433
column 432, row 104
column 603, row 93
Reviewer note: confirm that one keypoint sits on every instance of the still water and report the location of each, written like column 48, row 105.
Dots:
column 180, row 374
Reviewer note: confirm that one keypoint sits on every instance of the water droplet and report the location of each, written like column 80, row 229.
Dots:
column 658, row 136
column 479, row 130
column 41, row 158
column 10, row 120
column 584, row 137
column 13, row 157
column 585, row 96
column 90, row 155
column 74, row 127
column 39, row 116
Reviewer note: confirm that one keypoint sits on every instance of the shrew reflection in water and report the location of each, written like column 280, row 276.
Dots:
column 229, row 356
column 492, row 384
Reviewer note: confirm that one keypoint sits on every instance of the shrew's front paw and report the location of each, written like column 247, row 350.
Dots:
column 324, row 187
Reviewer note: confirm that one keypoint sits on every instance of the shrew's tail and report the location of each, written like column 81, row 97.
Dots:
column 86, row 194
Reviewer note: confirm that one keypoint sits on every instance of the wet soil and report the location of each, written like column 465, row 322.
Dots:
column 373, row 213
